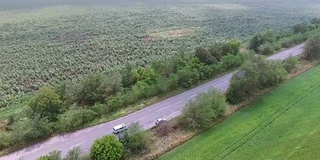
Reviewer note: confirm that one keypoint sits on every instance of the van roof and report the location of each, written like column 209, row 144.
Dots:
column 119, row 126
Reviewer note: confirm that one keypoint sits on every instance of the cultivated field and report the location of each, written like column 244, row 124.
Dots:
column 50, row 43
column 284, row 124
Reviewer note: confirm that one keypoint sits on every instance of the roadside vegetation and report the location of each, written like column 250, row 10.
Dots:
column 73, row 105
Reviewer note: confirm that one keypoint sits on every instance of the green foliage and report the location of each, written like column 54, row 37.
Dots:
column 165, row 67
column 112, row 84
column 46, row 102
column 127, row 76
column 106, row 148
column 216, row 51
column 73, row 154
column 188, row 76
column 300, row 28
column 204, row 56
column 75, row 118
column 145, row 74
column 231, row 47
column 266, row 49
column 290, row 64
column 5, row 140
column 272, row 74
column 312, row 48
column 256, row 73
column 54, row 155
column 117, row 101
column 101, row 109
column 27, row 129
column 90, row 90
column 231, row 61
column 135, row 140
column 202, row 111
column 260, row 39
column 315, row 21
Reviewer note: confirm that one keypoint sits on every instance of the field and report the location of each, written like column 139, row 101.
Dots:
column 284, row 124
column 53, row 42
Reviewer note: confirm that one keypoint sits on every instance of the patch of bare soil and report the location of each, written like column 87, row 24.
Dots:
column 173, row 33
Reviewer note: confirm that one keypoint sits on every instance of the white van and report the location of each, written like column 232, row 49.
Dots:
column 119, row 128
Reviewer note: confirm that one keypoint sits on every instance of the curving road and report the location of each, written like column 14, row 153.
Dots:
column 168, row 109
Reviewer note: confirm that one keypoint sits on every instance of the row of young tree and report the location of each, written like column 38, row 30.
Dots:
column 266, row 43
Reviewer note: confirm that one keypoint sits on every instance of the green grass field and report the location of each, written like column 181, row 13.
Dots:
column 284, row 124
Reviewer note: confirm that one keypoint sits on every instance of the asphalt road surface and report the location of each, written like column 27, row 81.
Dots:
column 168, row 109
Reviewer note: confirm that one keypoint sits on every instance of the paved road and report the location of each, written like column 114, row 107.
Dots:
column 168, row 109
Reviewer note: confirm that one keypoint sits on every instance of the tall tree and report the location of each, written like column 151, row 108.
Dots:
column 46, row 102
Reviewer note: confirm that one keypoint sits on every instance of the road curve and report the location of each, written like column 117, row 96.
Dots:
column 168, row 109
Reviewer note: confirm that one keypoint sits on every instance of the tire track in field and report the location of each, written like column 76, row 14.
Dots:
column 233, row 147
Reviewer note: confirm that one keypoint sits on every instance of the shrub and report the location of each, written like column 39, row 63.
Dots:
column 205, row 72
column 135, row 140
column 100, row 109
column 54, row 155
column 75, row 118
column 290, row 64
column 300, row 28
column 188, row 76
column 73, row 154
column 201, row 112
column 107, row 147
column 127, row 76
column 287, row 42
column 173, row 81
column 315, row 21
column 256, row 73
column 116, row 102
column 312, row 48
column 272, row 74
column 165, row 66
column 89, row 91
column 260, row 39
column 4, row 140
column 230, row 62
column 145, row 74
column 204, row 56
column 216, row 51
column 27, row 129
column 141, row 90
column 266, row 49
column 46, row 103
column 231, row 47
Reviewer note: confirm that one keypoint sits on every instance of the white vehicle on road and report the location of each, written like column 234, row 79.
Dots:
column 119, row 128
column 160, row 120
